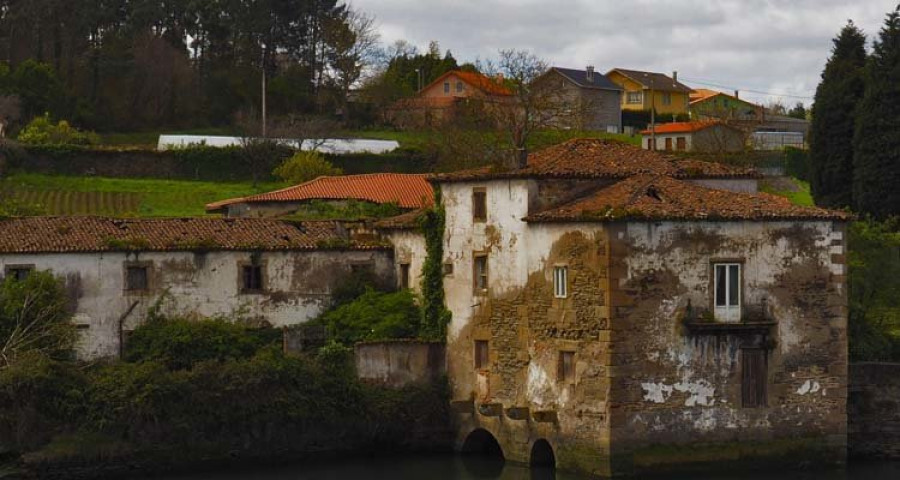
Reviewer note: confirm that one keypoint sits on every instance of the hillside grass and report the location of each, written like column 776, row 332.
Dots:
column 70, row 195
column 421, row 139
column 795, row 190
column 151, row 138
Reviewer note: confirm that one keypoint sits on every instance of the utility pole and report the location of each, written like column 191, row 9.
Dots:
column 264, row 92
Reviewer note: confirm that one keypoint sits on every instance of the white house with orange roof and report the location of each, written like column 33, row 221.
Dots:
column 698, row 136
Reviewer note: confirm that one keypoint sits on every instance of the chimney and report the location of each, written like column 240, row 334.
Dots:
column 737, row 94
column 589, row 73
column 675, row 75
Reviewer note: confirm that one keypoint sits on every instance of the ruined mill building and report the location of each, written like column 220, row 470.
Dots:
column 624, row 312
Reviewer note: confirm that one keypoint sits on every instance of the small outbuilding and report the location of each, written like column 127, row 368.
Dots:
column 700, row 136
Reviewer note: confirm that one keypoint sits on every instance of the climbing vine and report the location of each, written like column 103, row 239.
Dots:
column 435, row 316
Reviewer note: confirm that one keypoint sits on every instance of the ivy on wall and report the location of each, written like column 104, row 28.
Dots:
column 435, row 315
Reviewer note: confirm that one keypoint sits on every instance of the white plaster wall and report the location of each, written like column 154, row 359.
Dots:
column 297, row 287
column 409, row 247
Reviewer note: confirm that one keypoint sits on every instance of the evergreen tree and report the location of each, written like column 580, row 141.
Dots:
column 876, row 161
column 831, row 142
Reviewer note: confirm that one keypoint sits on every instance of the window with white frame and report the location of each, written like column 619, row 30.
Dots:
column 727, row 291
column 561, row 281
column 634, row 97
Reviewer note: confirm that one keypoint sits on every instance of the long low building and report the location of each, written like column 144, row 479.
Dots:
column 262, row 271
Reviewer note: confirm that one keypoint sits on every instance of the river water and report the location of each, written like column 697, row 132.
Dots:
column 449, row 467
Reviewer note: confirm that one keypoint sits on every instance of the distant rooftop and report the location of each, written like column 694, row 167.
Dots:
column 580, row 78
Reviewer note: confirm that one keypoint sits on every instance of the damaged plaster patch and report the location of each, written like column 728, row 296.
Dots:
column 538, row 385
column 809, row 386
column 700, row 392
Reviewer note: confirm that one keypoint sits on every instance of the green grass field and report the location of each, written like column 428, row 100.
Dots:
column 62, row 195
column 421, row 139
column 797, row 191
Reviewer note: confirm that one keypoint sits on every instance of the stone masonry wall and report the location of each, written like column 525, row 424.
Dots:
column 874, row 410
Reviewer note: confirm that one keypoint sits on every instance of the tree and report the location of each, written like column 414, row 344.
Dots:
column 34, row 316
column 876, row 142
column 797, row 111
column 305, row 166
column 833, row 113
column 354, row 48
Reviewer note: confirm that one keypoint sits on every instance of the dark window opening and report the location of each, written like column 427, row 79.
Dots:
column 754, row 377
column 136, row 278
column 404, row 275
column 446, row 87
column 479, row 205
column 251, row 278
column 566, row 368
column 19, row 273
column 481, row 354
column 448, row 268
column 681, row 143
column 668, row 144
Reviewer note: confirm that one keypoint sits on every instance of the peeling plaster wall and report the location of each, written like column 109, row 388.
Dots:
column 297, row 286
column 409, row 247
column 672, row 385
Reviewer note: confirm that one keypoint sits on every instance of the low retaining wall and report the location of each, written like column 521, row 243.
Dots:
column 399, row 362
column 874, row 410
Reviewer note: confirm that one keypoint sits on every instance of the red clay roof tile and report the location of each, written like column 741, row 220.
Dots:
column 683, row 127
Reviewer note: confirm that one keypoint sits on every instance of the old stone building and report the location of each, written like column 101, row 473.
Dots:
column 630, row 312
column 257, row 270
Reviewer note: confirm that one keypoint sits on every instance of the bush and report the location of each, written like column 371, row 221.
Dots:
column 305, row 166
column 874, row 278
column 34, row 316
column 374, row 316
column 42, row 131
column 179, row 343
column 797, row 163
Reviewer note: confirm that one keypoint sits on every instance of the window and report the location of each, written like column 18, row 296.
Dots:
column 448, row 268
column 634, row 97
column 561, row 282
column 446, row 87
column 479, row 205
column 754, row 377
column 404, row 275
column 667, row 98
column 136, row 278
column 459, row 87
column 727, row 291
column 681, row 143
column 566, row 368
column 482, row 358
column 251, row 278
column 668, row 144
column 19, row 272
column 481, row 273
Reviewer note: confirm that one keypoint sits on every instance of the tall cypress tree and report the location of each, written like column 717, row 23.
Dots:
column 876, row 143
column 831, row 132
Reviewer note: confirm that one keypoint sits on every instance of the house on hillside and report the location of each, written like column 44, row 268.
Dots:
column 699, row 136
column 406, row 191
column 581, row 99
column 448, row 96
column 263, row 271
column 645, row 91
column 708, row 104
column 619, row 311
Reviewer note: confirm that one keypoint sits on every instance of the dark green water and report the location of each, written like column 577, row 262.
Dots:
column 457, row 468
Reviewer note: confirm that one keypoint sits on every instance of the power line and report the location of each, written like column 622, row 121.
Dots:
column 760, row 92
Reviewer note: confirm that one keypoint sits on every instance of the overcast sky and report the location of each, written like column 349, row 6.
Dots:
column 773, row 46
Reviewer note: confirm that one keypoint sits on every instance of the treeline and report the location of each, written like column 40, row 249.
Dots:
column 132, row 64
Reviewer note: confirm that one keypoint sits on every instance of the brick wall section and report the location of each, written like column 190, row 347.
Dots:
column 874, row 410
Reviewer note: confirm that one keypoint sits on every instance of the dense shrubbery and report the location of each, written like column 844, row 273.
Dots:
column 305, row 166
column 42, row 131
column 874, row 280
column 374, row 316
column 34, row 316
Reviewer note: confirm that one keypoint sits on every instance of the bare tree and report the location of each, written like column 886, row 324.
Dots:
column 34, row 316
column 354, row 48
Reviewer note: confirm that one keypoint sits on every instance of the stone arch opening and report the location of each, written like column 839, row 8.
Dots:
column 481, row 442
column 542, row 455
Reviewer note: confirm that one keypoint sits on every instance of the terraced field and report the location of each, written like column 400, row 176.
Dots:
column 61, row 195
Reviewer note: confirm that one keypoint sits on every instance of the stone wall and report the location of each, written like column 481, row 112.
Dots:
column 399, row 362
column 297, row 286
column 874, row 410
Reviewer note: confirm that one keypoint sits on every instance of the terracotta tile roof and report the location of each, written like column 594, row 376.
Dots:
column 658, row 197
column 406, row 221
column 654, row 81
column 481, row 82
column 702, row 94
column 406, row 190
column 101, row 234
column 684, row 127
column 601, row 158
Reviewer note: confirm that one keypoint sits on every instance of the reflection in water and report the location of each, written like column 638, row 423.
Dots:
column 472, row 467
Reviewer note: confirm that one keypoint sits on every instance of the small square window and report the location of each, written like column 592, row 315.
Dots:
column 482, row 354
column 459, row 87
column 566, row 368
column 561, row 282
column 480, row 271
column 446, row 87
column 404, row 276
column 479, row 205
column 136, row 278
column 448, row 268
column 251, row 278
column 667, row 98
column 19, row 272
column 634, row 97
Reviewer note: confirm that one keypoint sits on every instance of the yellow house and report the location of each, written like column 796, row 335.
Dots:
column 646, row 90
